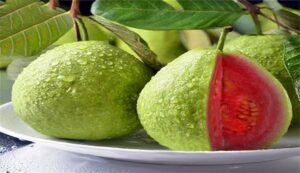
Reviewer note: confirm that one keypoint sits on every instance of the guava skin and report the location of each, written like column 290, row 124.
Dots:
column 267, row 50
column 84, row 90
column 172, row 106
column 165, row 44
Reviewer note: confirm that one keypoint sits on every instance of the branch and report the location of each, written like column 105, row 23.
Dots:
column 253, row 10
column 279, row 23
column 53, row 4
column 74, row 8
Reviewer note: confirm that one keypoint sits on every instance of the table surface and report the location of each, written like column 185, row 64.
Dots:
column 17, row 156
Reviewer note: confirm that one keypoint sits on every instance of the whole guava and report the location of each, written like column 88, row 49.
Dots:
column 83, row 90
column 165, row 44
column 267, row 50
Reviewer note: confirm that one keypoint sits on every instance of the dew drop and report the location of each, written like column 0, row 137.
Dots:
column 69, row 89
column 73, row 91
column 191, row 126
column 162, row 115
column 69, row 78
column 47, row 79
column 60, row 77
column 82, row 61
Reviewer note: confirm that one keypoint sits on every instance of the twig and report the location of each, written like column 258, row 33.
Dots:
column 273, row 13
column 53, row 4
column 279, row 23
column 74, row 8
column 253, row 10
column 74, row 11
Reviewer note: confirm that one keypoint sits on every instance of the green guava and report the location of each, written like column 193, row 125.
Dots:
column 201, row 101
column 165, row 44
column 267, row 50
column 84, row 90
column 192, row 39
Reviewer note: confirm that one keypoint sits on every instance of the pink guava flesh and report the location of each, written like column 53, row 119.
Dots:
column 244, row 107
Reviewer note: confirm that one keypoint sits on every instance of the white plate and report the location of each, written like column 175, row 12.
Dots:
column 140, row 148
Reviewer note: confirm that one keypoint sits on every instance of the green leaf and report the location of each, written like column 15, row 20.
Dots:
column 158, row 15
column 289, row 18
column 133, row 40
column 292, row 60
column 28, row 27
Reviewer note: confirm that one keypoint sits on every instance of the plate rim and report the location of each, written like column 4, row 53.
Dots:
column 48, row 141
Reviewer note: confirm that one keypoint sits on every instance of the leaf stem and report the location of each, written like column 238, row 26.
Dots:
column 223, row 37
column 253, row 10
column 53, row 4
column 132, row 39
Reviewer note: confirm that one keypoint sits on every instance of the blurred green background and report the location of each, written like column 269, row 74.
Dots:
column 5, row 87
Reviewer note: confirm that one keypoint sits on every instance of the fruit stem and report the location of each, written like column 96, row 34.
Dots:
column 53, row 4
column 223, row 37
column 253, row 10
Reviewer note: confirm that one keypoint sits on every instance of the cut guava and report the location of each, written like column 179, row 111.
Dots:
column 245, row 107
column 201, row 101
column 267, row 50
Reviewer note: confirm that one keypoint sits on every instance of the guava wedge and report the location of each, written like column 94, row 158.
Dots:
column 246, row 108
column 267, row 50
column 201, row 101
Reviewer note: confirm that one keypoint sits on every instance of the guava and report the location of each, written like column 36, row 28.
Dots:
column 201, row 101
column 94, row 32
column 193, row 39
column 83, row 90
column 165, row 44
column 267, row 50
